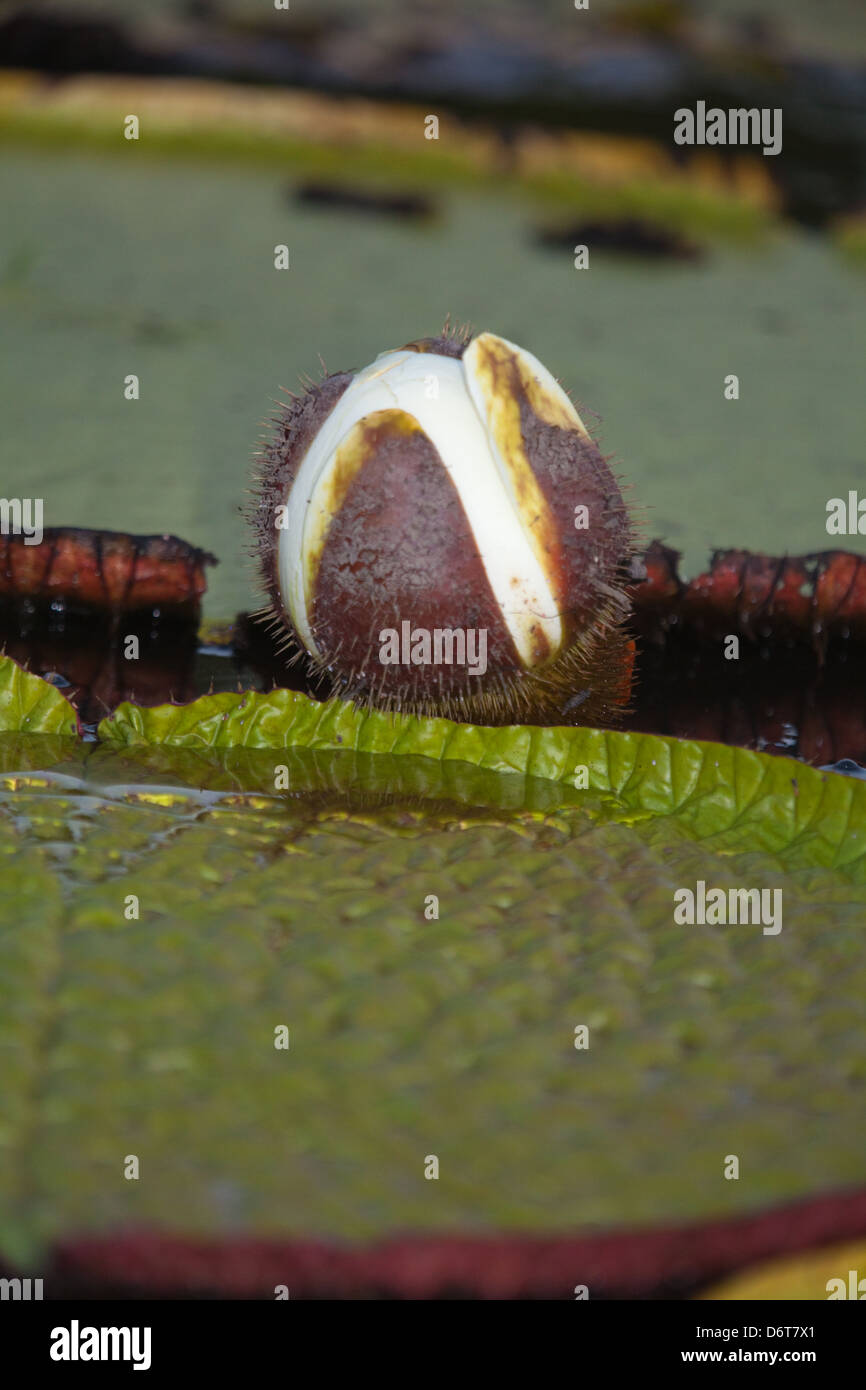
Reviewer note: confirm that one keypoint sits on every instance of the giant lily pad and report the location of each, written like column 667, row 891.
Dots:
column 413, row 1036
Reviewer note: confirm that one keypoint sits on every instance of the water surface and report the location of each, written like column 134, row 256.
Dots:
column 112, row 266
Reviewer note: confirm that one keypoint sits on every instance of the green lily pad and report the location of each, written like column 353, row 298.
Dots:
column 740, row 798
column 309, row 908
column 30, row 705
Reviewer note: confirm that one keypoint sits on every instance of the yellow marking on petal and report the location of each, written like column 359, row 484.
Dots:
column 546, row 397
column 503, row 377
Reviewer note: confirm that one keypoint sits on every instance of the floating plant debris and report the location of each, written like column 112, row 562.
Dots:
column 629, row 236
column 62, row 602
column 812, row 597
column 107, row 570
column 341, row 198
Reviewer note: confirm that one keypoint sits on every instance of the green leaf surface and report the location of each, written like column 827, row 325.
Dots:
column 409, row 1037
column 739, row 797
column 29, row 704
